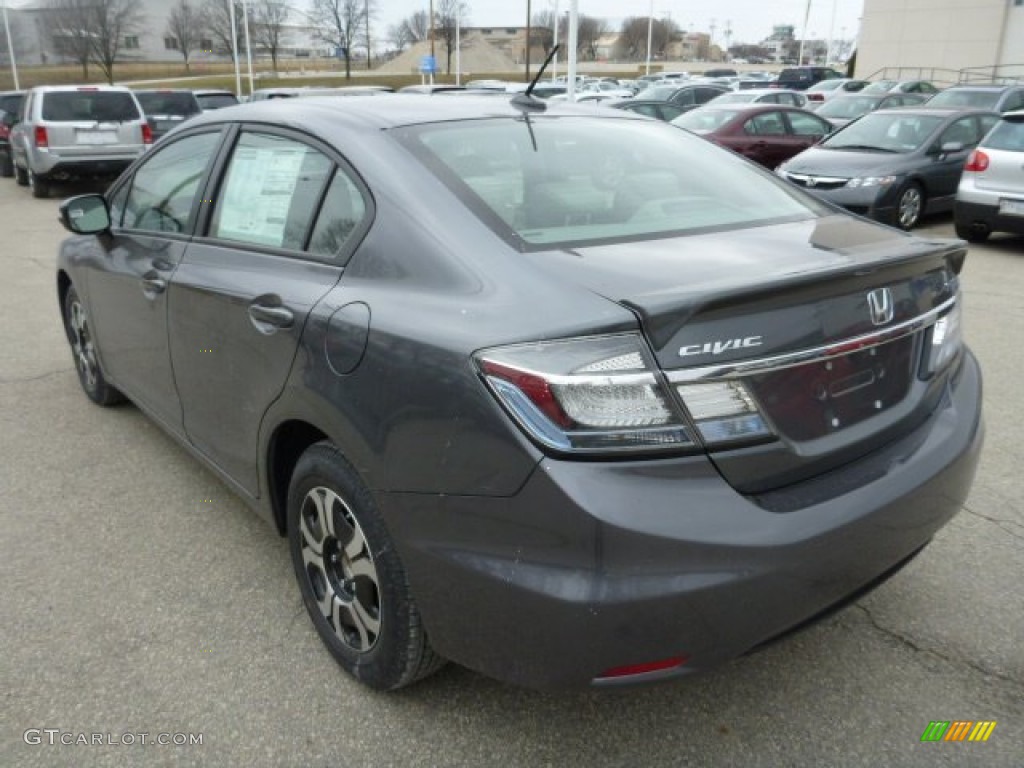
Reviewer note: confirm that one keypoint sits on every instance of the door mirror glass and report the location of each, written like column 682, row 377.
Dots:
column 85, row 215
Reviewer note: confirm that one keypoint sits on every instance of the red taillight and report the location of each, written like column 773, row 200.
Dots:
column 977, row 162
column 147, row 134
column 642, row 669
column 5, row 132
column 815, row 97
column 534, row 387
column 41, row 139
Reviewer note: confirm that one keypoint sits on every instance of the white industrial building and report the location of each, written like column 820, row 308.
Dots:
column 980, row 39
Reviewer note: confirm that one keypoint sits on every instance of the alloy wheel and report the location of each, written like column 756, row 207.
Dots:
column 82, row 346
column 340, row 569
column 911, row 202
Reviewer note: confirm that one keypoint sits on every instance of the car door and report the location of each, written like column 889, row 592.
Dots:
column 805, row 131
column 945, row 168
column 241, row 296
column 152, row 214
column 765, row 139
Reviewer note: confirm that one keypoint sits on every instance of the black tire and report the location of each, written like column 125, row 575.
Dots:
column 39, row 188
column 6, row 165
column 909, row 205
column 972, row 234
column 351, row 578
column 20, row 176
column 83, row 352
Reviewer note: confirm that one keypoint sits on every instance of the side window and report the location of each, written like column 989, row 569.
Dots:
column 341, row 214
column 165, row 186
column 670, row 111
column 766, row 124
column 685, row 98
column 117, row 205
column 1014, row 101
column 270, row 192
column 987, row 122
column 963, row 131
column 806, row 125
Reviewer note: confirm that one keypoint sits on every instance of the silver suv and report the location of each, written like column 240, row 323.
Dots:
column 991, row 194
column 66, row 132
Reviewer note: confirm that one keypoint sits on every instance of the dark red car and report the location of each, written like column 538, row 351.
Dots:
column 768, row 134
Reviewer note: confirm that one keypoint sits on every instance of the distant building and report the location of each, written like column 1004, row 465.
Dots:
column 780, row 42
column 39, row 40
column 944, row 35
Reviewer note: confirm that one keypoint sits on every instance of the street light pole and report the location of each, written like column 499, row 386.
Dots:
column 803, row 35
column 234, row 49
column 554, row 61
column 574, row 8
column 527, row 79
column 650, row 31
column 10, row 49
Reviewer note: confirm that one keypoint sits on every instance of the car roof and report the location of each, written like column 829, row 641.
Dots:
column 925, row 110
column 90, row 87
column 163, row 90
column 383, row 112
column 984, row 87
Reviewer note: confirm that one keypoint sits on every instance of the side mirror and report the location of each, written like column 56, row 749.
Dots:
column 951, row 146
column 85, row 215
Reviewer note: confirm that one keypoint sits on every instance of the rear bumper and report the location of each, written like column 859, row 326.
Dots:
column 595, row 565
column 967, row 214
column 55, row 165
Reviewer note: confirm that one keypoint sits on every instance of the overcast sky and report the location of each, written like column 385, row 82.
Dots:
column 751, row 20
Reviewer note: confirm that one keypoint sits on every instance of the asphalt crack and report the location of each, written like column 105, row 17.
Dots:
column 998, row 523
column 908, row 642
column 37, row 377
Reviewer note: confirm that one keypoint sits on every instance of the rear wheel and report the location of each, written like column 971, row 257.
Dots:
column 910, row 206
column 6, row 165
column 83, row 350
column 37, row 186
column 20, row 176
column 973, row 234
column 352, row 581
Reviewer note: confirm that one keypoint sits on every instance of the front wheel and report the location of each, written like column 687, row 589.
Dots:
column 352, row 581
column 910, row 206
column 83, row 350
column 973, row 234
column 20, row 176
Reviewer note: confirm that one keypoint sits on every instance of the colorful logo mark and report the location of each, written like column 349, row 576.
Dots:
column 958, row 730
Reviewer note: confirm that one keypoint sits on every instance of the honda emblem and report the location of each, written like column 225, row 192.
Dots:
column 881, row 306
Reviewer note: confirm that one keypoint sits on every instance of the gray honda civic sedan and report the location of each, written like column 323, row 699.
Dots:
column 569, row 398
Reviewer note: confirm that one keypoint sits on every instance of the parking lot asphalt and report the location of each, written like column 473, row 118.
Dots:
column 139, row 596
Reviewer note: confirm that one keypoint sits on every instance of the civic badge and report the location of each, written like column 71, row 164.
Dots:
column 881, row 306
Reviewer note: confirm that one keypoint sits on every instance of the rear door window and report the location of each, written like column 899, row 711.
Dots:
column 89, row 106
column 270, row 192
column 807, row 125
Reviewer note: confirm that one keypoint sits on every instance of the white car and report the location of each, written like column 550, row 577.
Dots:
column 990, row 197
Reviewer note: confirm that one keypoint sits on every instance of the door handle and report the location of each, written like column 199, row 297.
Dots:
column 152, row 284
column 279, row 317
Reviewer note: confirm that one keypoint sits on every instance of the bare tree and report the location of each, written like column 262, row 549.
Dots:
column 268, row 28
column 216, row 19
column 632, row 43
column 338, row 24
column 417, row 26
column 113, row 20
column 589, row 31
column 450, row 14
column 71, row 30
column 185, row 25
column 543, row 32
column 398, row 36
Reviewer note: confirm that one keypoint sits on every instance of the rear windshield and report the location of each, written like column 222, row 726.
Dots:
column 216, row 100
column 705, row 120
column 101, row 106
column 182, row 104
column 1008, row 135
column 953, row 98
column 587, row 179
